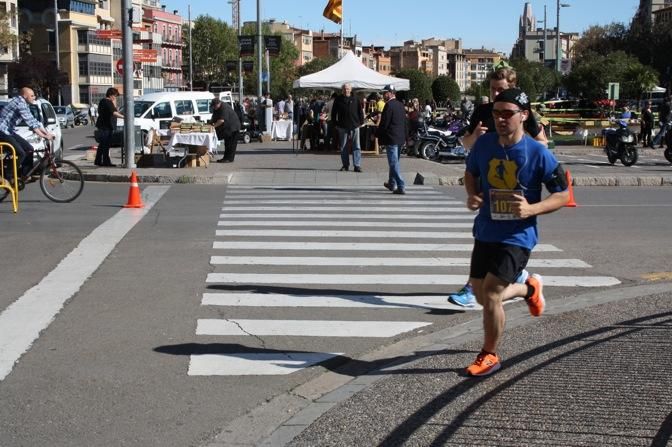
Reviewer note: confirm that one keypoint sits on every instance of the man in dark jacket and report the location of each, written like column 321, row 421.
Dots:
column 664, row 118
column 646, row 125
column 347, row 115
column 392, row 134
column 227, row 125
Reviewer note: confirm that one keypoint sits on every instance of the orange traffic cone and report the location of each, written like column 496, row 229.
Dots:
column 570, row 203
column 134, row 197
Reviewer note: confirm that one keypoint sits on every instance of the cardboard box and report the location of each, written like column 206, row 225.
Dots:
column 196, row 161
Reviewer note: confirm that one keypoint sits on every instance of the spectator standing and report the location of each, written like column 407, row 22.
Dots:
column 664, row 117
column 646, row 125
column 106, row 124
column 227, row 126
column 347, row 115
column 391, row 133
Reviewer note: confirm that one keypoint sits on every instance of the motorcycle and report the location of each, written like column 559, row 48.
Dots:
column 81, row 119
column 620, row 143
column 437, row 144
column 668, row 144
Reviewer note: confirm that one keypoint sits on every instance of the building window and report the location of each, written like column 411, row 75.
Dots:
column 307, row 40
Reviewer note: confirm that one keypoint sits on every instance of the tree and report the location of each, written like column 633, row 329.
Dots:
column 317, row 64
column 38, row 73
column 7, row 38
column 478, row 90
column 534, row 78
column 214, row 42
column 445, row 88
column 420, row 84
column 592, row 76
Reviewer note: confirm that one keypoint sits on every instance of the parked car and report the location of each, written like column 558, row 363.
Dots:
column 66, row 117
column 44, row 112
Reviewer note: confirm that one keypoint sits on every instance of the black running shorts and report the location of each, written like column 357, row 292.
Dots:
column 505, row 261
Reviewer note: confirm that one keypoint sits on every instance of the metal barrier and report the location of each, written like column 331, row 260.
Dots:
column 5, row 184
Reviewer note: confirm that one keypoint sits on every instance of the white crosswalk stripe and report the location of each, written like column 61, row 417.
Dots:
column 265, row 242
column 353, row 246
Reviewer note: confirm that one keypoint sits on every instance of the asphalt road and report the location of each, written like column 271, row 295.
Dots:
column 113, row 368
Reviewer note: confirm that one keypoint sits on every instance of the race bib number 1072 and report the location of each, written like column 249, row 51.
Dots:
column 501, row 201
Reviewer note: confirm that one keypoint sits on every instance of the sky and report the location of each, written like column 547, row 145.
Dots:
column 492, row 24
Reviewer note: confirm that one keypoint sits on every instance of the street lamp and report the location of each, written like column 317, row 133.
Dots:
column 543, row 61
column 557, row 34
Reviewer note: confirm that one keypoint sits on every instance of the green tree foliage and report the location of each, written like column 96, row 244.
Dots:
column 7, row 37
column 478, row 90
column 317, row 64
column 215, row 42
column 534, row 78
column 445, row 88
column 38, row 73
column 591, row 77
column 650, row 46
column 420, row 84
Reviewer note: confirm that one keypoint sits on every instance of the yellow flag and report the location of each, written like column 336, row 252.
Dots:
column 334, row 11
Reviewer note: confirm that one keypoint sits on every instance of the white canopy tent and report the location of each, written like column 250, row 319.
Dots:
column 350, row 70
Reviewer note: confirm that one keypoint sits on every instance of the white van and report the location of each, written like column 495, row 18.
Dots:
column 156, row 110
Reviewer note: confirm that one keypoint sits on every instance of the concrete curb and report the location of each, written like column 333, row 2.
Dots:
column 279, row 421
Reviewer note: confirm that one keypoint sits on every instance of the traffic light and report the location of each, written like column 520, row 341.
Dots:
column 334, row 11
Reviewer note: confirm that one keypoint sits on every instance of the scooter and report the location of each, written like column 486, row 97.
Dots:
column 620, row 143
column 81, row 119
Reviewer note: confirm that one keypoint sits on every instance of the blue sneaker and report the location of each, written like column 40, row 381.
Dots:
column 522, row 278
column 464, row 298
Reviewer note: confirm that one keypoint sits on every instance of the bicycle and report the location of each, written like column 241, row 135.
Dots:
column 61, row 181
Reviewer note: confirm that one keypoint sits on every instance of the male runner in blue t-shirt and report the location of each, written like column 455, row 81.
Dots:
column 510, row 167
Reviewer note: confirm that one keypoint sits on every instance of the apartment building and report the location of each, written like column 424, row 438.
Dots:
column 379, row 59
column 412, row 55
column 646, row 13
column 301, row 38
column 9, row 53
column 480, row 63
column 328, row 45
column 85, row 58
column 163, row 33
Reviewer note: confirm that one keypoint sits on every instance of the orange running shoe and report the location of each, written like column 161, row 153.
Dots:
column 484, row 365
column 536, row 302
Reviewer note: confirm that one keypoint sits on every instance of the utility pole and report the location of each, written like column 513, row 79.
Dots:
column 58, row 50
column 545, row 36
column 191, row 54
column 235, row 9
column 558, row 56
column 260, row 61
column 127, row 51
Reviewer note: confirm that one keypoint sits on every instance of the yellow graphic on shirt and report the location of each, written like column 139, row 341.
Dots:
column 502, row 174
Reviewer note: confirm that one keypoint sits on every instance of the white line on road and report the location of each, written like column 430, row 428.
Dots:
column 289, row 188
column 347, row 233
column 353, row 246
column 375, row 202
column 336, row 195
column 390, row 279
column 307, row 328
column 352, row 209
column 342, row 301
column 416, row 217
column 254, row 364
column 22, row 322
column 379, row 262
column 321, row 223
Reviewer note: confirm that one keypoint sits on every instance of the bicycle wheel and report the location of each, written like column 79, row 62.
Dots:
column 62, row 181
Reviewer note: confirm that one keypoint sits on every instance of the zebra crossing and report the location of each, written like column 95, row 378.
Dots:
column 330, row 249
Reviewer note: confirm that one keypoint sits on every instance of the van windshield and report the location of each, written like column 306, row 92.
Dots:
column 140, row 107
